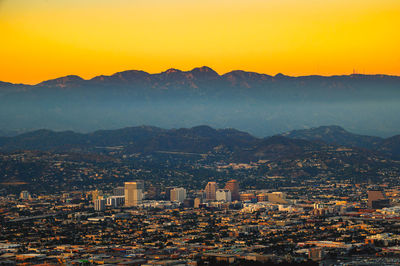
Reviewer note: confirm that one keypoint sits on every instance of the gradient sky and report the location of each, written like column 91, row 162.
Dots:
column 43, row 39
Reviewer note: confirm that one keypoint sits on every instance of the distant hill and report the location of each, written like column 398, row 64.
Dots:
column 200, row 139
column 48, row 140
column 277, row 147
column 390, row 146
column 55, row 159
column 232, row 143
column 339, row 136
column 335, row 135
column 261, row 104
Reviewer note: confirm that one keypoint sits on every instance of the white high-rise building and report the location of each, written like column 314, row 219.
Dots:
column 178, row 194
column 223, row 195
column 133, row 193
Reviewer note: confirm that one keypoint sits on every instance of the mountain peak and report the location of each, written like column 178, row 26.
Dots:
column 123, row 76
column 203, row 69
column 240, row 74
column 280, row 75
column 204, row 72
column 63, row 81
column 203, row 128
column 130, row 72
column 172, row 71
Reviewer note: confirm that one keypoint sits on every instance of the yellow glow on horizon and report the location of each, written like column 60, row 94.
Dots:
column 46, row 39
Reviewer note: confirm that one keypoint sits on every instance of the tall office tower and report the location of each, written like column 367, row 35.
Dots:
column 377, row 199
column 211, row 190
column 133, row 193
column 178, row 194
column 223, row 195
column 119, row 191
column 233, row 186
column 99, row 205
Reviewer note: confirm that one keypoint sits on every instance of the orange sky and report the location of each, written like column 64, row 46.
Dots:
column 43, row 39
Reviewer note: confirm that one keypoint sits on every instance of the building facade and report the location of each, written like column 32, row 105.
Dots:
column 99, row 205
column 178, row 194
column 211, row 190
column 133, row 193
column 25, row 195
column 115, row 201
column 233, row 186
column 223, row 195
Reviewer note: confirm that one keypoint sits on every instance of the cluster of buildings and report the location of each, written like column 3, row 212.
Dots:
column 25, row 195
column 138, row 225
column 133, row 193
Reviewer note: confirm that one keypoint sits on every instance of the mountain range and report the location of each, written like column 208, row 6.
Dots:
column 262, row 104
column 50, row 160
column 241, row 146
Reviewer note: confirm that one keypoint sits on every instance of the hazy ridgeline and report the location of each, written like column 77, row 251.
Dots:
column 260, row 104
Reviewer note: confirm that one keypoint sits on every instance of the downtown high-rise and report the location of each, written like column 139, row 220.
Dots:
column 133, row 193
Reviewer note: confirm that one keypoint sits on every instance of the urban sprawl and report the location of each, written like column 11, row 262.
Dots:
column 332, row 222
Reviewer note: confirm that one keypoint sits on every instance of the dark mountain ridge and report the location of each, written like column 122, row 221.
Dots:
column 202, row 76
column 201, row 73
column 136, row 139
column 201, row 139
column 335, row 135
column 390, row 146
column 34, row 157
column 339, row 136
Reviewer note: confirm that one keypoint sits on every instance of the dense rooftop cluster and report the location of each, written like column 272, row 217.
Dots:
column 330, row 222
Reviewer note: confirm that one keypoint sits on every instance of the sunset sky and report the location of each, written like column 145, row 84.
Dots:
column 44, row 39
